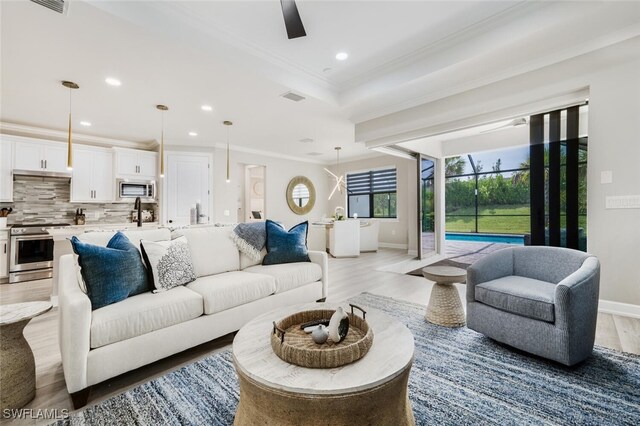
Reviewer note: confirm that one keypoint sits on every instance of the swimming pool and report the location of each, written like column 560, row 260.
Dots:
column 486, row 238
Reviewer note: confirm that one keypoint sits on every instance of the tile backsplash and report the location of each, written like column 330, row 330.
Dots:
column 38, row 200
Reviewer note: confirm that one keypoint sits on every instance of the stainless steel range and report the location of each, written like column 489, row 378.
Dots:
column 31, row 252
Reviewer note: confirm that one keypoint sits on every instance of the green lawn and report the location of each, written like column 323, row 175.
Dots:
column 495, row 224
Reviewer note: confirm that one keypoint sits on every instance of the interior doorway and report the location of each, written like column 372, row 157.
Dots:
column 426, row 207
column 253, row 208
column 186, row 183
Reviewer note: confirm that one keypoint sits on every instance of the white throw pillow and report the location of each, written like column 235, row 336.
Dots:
column 169, row 261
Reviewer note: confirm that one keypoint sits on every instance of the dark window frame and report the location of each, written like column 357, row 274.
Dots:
column 372, row 192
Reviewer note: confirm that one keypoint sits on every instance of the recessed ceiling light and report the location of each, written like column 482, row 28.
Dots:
column 341, row 56
column 112, row 81
column 193, row 134
column 206, row 107
column 85, row 123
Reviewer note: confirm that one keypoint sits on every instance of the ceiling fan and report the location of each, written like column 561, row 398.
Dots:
column 292, row 20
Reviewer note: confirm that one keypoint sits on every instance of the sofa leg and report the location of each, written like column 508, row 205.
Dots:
column 321, row 300
column 80, row 398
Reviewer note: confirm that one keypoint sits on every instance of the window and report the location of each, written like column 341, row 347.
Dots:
column 372, row 194
column 300, row 195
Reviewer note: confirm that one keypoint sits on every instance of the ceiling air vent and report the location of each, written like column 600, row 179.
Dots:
column 59, row 6
column 293, row 96
column 306, row 140
column 314, row 154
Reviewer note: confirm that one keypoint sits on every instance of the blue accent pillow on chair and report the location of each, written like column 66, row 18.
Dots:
column 286, row 246
column 111, row 273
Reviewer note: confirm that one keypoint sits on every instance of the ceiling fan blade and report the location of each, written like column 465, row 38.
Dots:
column 292, row 20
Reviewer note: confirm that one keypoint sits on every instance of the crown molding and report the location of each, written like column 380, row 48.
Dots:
column 440, row 91
column 454, row 39
column 272, row 154
column 15, row 129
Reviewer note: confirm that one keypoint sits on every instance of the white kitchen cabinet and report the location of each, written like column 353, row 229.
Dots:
column 136, row 164
column 36, row 155
column 4, row 254
column 6, row 170
column 55, row 157
column 148, row 164
column 92, row 179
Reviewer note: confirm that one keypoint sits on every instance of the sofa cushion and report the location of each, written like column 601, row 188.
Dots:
column 246, row 261
column 212, row 249
column 286, row 246
column 519, row 295
column 231, row 289
column 289, row 275
column 143, row 314
column 111, row 273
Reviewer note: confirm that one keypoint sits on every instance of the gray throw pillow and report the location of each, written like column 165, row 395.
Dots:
column 170, row 262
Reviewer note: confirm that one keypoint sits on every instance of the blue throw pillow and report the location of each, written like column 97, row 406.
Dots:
column 286, row 247
column 111, row 273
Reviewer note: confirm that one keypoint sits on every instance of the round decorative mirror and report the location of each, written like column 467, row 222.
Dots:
column 301, row 195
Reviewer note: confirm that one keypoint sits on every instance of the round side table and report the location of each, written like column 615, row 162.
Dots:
column 17, row 366
column 444, row 306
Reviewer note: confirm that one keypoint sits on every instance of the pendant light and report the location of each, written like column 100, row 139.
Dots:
column 71, row 86
column 340, row 184
column 162, row 109
column 228, row 124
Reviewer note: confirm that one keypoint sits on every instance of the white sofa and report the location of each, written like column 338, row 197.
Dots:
column 230, row 290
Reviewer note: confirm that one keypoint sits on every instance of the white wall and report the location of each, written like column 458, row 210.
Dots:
column 612, row 77
column 228, row 196
column 400, row 232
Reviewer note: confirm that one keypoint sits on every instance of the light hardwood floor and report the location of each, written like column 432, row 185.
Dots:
column 347, row 277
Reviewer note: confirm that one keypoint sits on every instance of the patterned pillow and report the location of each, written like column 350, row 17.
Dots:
column 170, row 262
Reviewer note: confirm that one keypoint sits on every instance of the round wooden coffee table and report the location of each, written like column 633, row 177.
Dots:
column 372, row 390
column 444, row 306
column 17, row 366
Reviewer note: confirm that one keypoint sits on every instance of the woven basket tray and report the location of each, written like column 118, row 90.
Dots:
column 295, row 346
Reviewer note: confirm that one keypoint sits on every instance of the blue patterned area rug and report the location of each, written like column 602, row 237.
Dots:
column 459, row 377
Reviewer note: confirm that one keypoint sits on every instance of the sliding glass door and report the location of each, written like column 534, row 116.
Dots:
column 426, row 207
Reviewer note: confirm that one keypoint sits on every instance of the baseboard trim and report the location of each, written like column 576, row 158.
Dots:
column 619, row 308
column 392, row 245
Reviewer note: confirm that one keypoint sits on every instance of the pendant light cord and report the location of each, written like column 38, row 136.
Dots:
column 228, row 130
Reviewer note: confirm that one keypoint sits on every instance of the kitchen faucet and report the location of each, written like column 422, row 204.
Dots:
column 138, row 207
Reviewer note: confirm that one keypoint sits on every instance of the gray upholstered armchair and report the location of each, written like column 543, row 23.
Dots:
column 542, row 300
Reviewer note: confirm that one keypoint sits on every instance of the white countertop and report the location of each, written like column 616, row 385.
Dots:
column 68, row 231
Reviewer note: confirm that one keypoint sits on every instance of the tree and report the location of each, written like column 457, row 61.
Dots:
column 496, row 166
column 454, row 166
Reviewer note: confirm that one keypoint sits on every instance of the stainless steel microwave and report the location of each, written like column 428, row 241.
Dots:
column 131, row 189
